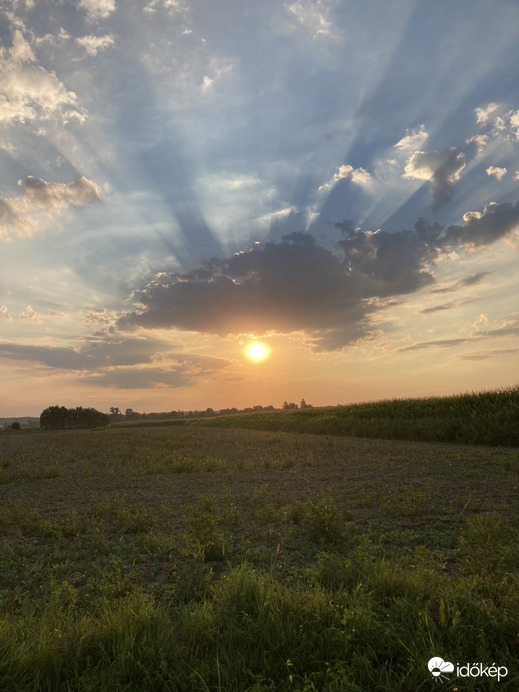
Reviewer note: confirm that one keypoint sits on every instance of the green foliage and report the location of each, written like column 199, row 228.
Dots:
column 59, row 417
column 486, row 418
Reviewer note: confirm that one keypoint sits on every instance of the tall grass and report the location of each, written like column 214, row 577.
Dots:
column 485, row 418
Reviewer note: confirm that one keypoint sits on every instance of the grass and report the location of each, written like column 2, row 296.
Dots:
column 198, row 558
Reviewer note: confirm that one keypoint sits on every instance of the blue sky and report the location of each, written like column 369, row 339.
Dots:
column 178, row 178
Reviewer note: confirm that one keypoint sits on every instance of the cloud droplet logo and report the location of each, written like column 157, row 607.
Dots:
column 438, row 667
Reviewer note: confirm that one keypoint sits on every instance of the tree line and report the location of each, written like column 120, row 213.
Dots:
column 59, row 418
column 117, row 414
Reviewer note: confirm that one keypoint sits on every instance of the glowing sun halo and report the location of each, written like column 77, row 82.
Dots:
column 256, row 351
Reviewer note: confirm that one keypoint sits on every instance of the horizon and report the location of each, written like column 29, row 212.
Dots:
column 206, row 205
column 309, row 404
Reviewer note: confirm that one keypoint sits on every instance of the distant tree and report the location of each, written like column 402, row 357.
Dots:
column 59, row 417
column 115, row 412
column 303, row 404
column 16, row 425
column 290, row 405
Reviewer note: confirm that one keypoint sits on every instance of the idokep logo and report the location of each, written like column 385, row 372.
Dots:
column 439, row 667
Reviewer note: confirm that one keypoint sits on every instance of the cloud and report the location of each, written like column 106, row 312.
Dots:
column 479, row 142
column 181, row 370
column 90, row 356
column 313, row 15
column 4, row 312
column 441, row 168
column 19, row 215
column 483, row 228
column 93, row 44
column 28, row 92
column 440, row 343
column 514, row 124
column 289, row 286
column 503, row 120
column 496, row 172
column 470, row 280
column 359, row 176
column 297, row 284
column 30, row 314
column 124, row 363
column 509, row 327
column 413, row 139
column 97, row 9
column 483, row 113
column 446, row 306
column 489, row 355
column 173, row 7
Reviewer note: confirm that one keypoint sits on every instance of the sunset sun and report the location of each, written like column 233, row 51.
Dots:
column 256, row 351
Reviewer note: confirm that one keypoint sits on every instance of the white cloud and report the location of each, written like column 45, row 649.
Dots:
column 97, row 9
column 19, row 215
column 29, row 92
column 207, row 83
column 4, row 312
column 479, row 141
column 313, row 15
column 413, row 139
column 171, row 6
column 514, row 124
column 483, row 113
column 496, row 172
column 359, row 176
column 93, row 44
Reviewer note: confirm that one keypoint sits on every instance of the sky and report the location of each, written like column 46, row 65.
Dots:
column 337, row 180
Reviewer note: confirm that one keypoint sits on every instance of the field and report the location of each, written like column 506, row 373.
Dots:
column 188, row 557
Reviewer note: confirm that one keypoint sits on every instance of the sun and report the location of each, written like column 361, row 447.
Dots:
column 256, row 351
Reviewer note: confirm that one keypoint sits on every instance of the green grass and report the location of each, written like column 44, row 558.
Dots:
column 194, row 558
column 487, row 418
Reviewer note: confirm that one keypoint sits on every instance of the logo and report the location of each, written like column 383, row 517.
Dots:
column 438, row 667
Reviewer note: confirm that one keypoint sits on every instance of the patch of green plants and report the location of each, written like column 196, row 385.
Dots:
column 485, row 418
column 347, row 571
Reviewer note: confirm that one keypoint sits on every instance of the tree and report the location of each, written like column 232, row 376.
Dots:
column 290, row 405
column 59, row 418
column 16, row 425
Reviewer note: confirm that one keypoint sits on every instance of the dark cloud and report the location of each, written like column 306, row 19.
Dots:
column 441, row 308
column 510, row 327
column 470, row 280
column 444, row 343
column 121, row 363
column 298, row 285
column 441, row 168
column 92, row 355
column 483, row 228
column 292, row 285
column 180, row 371
column 489, row 355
